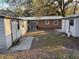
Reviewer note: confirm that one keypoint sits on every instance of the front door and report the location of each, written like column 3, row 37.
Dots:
column 32, row 25
column 14, row 30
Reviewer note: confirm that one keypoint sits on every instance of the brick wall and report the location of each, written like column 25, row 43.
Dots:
column 42, row 24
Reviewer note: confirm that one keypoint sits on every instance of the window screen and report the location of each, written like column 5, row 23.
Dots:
column 71, row 22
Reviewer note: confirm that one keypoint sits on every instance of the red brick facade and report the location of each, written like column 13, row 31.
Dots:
column 52, row 24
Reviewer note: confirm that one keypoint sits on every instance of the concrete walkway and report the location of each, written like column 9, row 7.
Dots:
column 24, row 45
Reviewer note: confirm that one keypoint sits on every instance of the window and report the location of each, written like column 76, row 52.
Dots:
column 18, row 25
column 46, row 22
column 71, row 22
column 55, row 22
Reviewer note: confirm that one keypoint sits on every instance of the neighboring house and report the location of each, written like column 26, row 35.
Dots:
column 68, row 24
column 10, row 30
column 49, row 24
column 44, row 22
column 71, row 24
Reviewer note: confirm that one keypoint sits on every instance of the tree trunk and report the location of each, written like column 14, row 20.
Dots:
column 75, row 6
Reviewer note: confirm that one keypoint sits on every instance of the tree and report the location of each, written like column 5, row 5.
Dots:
column 75, row 6
column 6, row 12
column 62, row 4
column 22, row 9
column 50, row 7
column 44, row 8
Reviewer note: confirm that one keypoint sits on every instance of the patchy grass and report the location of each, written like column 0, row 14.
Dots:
column 48, row 46
column 53, row 40
column 59, row 46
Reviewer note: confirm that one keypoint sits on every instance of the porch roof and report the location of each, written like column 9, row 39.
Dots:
column 49, row 17
column 71, row 16
column 41, row 18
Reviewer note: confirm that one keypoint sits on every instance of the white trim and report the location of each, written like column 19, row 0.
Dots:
column 47, row 22
column 41, row 18
column 55, row 22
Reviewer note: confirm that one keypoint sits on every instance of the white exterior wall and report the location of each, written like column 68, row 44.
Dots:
column 2, row 34
column 24, row 27
column 65, row 27
column 18, row 33
column 73, row 29
column 77, row 27
column 7, row 27
column 5, row 32
column 15, row 32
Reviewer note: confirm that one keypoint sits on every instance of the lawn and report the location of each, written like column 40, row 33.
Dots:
column 59, row 46
column 48, row 46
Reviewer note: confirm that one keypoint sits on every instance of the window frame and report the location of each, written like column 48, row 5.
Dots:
column 47, row 22
column 56, row 22
column 71, row 22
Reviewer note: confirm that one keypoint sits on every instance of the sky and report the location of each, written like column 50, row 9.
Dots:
column 2, row 1
column 3, row 4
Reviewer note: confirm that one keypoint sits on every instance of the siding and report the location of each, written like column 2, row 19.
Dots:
column 15, row 31
column 2, row 35
column 24, row 27
column 77, row 27
column 73, row 29
column 65, row 27
column 8, row 32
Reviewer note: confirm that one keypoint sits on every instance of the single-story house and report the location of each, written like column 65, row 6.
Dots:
column 71, row 24
column 10, row 30
column 44, row 22
column 68, row 24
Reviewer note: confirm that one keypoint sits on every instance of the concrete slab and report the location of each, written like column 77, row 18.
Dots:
column 24, row 45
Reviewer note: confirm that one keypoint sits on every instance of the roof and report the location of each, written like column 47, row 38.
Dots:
column 2, row 16
column 41, row 18
column 71, row 16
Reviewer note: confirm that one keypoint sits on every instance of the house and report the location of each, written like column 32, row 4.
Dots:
column 11, row 29
column 44, row 22
column 71, row 24
column 68, row 24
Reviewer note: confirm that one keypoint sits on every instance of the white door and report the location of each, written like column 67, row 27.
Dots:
column 67, row 26
column 33, row 25
column 14, row 30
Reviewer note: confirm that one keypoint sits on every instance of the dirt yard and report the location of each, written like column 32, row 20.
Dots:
column 48, row 45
